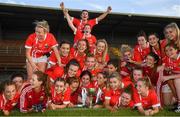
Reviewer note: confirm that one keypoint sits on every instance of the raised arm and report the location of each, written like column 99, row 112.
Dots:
column 69, row 21
column 63, row 9
column 102, row 16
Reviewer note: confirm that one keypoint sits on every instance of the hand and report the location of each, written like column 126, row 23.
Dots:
column 151, row 112
column 71, row 105
column 113, row 109
column 123, row 64
column 109, row 9
column 43, row 110
column 52, row 106
column 130, row 60
column 62, row 5
column 65, row 11
column 6, row 112
column 146, row 113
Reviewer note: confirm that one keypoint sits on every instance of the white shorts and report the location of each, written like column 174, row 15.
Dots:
column 166, row 89
column 43, row 59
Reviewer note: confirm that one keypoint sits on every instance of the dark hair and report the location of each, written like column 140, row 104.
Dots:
column 86, row 72
column 153, row 33
column 84, row 10
column 71, row 62
column 5, row 83
column 64, row 42
column 128, row 90
column 90, row 55
column 136, row 68
column 157, row 36
column 141, row 33
column 71, row 80
column 155, row 56
column 17, row 74
column 44, row 78
column 113, row 62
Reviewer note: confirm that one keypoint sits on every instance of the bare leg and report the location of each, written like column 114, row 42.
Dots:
column 177, row 83
column 172, row 87
column 29, row 71
column 42, row 66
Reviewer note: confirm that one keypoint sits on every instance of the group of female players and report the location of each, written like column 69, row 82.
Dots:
column 82, row 74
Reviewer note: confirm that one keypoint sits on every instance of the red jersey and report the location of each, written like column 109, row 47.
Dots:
column 99, row 57
column 40, row 47
column 126, row 70
column 94, row 71
column 79, row 36
column 80, row 58
column 130, row 105
column 54, row 72
column 152, row 74
column 29, row 97
column 79, row 24
column 172, row 64
column 150, row 101
column 8, row 104
column 140, row 54
column 60, row 98
column 64, row 59
column 74, row 96
column 113, row 96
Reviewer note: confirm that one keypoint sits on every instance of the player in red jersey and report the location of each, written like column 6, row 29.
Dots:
column 150, row 68
column 149, row 103
column 80, row 23
column 112, row 66
column 91, row 66
column 101, row 53
column 113, row 92
column 9, row 97
column 75, row 91
column 100, row 89
column 85, row 85
column 127, row 62
column 142, row 49
column 84, row 34
column 71, row 70
column 156, row 46
column 34, row 95
column 38, row 45
column 137, row 73
column 60, row 95
column 80, row 52
column 64, row 52
column 126, row 99
column 172, row 34
column 19, row 79
column 172, row 67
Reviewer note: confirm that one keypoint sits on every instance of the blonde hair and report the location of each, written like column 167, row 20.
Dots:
column 174, row 26
column 42, row 24
column 106, row 49
column 125, row 48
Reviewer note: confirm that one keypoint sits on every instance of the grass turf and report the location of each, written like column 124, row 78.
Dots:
column 90, row 112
